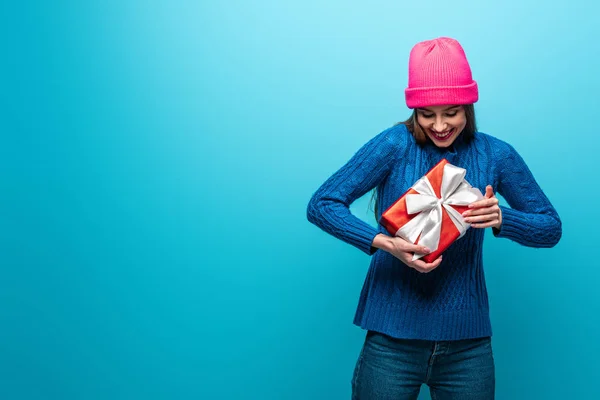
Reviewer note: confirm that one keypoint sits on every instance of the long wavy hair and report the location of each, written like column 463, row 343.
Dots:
column 412, row 124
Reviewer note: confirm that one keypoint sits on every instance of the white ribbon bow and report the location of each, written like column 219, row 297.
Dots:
column 455, row 191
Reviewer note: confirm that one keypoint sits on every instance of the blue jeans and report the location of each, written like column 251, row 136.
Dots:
column 389, row 368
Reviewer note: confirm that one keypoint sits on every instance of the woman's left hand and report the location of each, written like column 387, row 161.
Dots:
column 484, row 213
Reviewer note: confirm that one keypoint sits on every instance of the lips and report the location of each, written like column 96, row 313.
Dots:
column 442, row 136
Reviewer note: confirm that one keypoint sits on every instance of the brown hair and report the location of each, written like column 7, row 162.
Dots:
column 413, row 127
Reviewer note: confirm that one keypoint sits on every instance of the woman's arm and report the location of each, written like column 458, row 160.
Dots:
column 531, row 220
column 329, row 207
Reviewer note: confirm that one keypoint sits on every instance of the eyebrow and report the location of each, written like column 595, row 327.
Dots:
column 446, row 109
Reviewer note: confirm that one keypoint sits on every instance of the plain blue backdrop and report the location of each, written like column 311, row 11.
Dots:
column 156, row 160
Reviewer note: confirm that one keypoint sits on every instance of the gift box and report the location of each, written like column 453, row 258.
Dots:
column 430, row 212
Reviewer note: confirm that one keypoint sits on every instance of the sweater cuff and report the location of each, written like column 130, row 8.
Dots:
column 514, row 225
column 362, row 237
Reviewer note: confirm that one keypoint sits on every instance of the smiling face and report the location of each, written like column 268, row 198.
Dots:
column 442, row 124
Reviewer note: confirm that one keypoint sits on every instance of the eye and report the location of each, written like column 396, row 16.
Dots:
column 427, row 115
column 452, row 114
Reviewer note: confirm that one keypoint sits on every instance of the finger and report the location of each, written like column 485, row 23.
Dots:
column 420, row 269
column 409, row 247
column 482, row 218
column 484, row 203
column 406, row 258
column 415, row 248
column 485, row 225
column 481, row 211
column 431, row 266
column 489, row 191
column 424, row 267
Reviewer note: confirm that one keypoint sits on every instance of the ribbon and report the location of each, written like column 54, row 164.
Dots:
column 428, row 223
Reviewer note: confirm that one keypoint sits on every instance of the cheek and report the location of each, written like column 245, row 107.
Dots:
column 460, row 123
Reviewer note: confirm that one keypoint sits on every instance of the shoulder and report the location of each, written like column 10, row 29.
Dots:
column 498, row 147
column 505, row 158
column 390, row 141
column 397, row 135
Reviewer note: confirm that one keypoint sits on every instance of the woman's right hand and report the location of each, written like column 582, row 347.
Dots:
column 403, row 250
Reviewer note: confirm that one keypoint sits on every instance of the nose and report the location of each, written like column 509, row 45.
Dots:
column 439, row 125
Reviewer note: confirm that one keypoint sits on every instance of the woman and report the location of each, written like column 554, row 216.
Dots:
column 428, row 323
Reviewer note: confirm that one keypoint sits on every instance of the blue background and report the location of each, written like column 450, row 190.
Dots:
column 156, row 160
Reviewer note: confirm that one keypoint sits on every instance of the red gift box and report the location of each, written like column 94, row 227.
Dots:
column 429, row 214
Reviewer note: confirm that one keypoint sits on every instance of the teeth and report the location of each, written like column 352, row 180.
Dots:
column 443, row 135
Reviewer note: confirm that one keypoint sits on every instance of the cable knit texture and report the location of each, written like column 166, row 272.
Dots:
column 450, row 302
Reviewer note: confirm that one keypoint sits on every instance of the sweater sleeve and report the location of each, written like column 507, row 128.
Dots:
column 531, row 220
column 329, row 207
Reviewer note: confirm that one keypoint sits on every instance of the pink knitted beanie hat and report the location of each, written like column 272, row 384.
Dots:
column 439, row 74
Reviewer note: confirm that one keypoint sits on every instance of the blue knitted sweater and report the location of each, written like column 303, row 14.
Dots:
column 450, row 302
